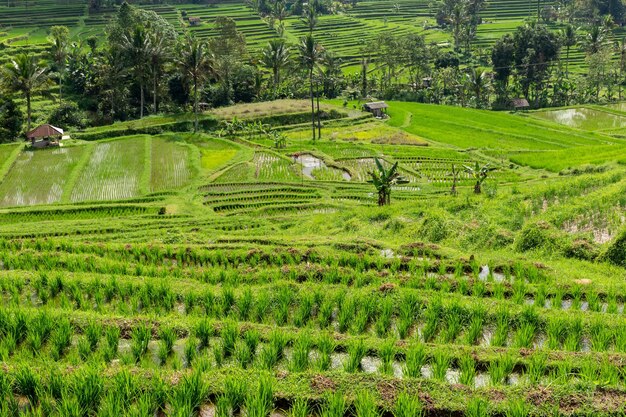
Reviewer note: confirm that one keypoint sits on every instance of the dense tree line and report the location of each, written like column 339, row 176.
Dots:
column 142, row 66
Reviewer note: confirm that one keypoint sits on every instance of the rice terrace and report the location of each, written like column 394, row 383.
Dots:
column 319, row 208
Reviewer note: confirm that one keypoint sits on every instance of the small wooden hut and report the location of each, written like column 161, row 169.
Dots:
column 194, row 21
column 518, row 104
column 377, row 108
column 45, row 135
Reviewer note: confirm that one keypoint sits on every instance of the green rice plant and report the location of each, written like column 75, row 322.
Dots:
column 167, row 337
column 112, row 337
column 524, row 335
column 611, row 302
column 261, row 306
column 365, row 405
column 88, row 388
column 39, row 330
column 223, row 408
column 475, row 328
column 540, row 296
column 356, row 353
column 244, row 304
column 383, row 323
column 235, row 392
column 415, row 360
column 467, row 366
column 479, row 289
column 620, row 339
column 601, row 336
column 189, row 395
column 387, row 354
column 326, row 346
column 282, row 305
column 588, row 370
column 557, row 300
column 303, row 312
column 191, row 350
column 574, row 335
column 300, row 408
column 243, row 354
column 499, row 291
column 140, row 337
column 70, row 407
column 432, row 318
column 365, row 311
column 577, row 295
column 334, row 405
column 300, row 355
column 561, row 372
column 27, row 383
column 407, row 406
column 409, row 307
column 325, row 313
column 84, row 348
column 536, row 367
column 517, row 408
column 190, row 301
column 203, row 332
column 272, row 352
column 93, row 332
column 227, row 301
column 608, row 374
column 218, row 353
column 453, row 322
column 260, row 402
column 503, row 324
column 593, row 299
column 347, row 311
column 252, row 337
column 229, row 335
column 61, row 339
column 519, row 291
column 440, row 363
column 500, row 369
column 555, row 333
column 477, row 407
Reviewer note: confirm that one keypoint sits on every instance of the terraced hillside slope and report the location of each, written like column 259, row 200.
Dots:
column 249, row 271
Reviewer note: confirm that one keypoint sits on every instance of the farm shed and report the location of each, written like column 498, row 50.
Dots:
column 45, row 135
column 520, row 104
column 377, row 108
column 194, row 21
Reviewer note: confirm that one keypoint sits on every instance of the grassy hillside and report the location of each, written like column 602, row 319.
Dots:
column 190, row 274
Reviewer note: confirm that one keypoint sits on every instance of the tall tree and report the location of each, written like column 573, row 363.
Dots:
column 59, row 44
column 569, row 38
column 158, row 54
column 26, row 76
column 228, row 50
column 310, row 56
column 138, row 48
column 195, row 65
column 275, row 57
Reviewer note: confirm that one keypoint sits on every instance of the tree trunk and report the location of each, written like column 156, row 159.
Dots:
column 28, row 110
column 60, row 88
column 312, row 101
column 319, row 121
column 567, row 62
column 195, row 104
column 382, row 198
column 141, row 101
column 477, row 189
column 154, row 93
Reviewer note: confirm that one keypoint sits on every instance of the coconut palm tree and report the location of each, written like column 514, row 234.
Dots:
column 137, row 45
column 275, row 57
column 59, row 45
column 479, row 173
column 594, row 40
column 310, row 56
column 158, row 54
column 196, row 66
column 477, row 81
column 26, row 76
column 569, row 38
column 383, row 179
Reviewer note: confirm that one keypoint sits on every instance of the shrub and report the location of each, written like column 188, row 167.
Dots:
column 539, row 235
column 435, row 227
column 67, row 115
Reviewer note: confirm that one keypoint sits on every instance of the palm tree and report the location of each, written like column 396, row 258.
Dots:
column 310, row 56
column 196, row 66
column 59, row 39
column 310, row 16
column 137, row 46
column 158, row 54
column 568, row 37
column 25, row 75
column 275, row 57
column 594, row 40
column 479, row 174
column 477, row 82
column 383, row 179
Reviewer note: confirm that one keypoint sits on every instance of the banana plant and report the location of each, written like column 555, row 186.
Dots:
column 383, row 179
column 479, row 174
